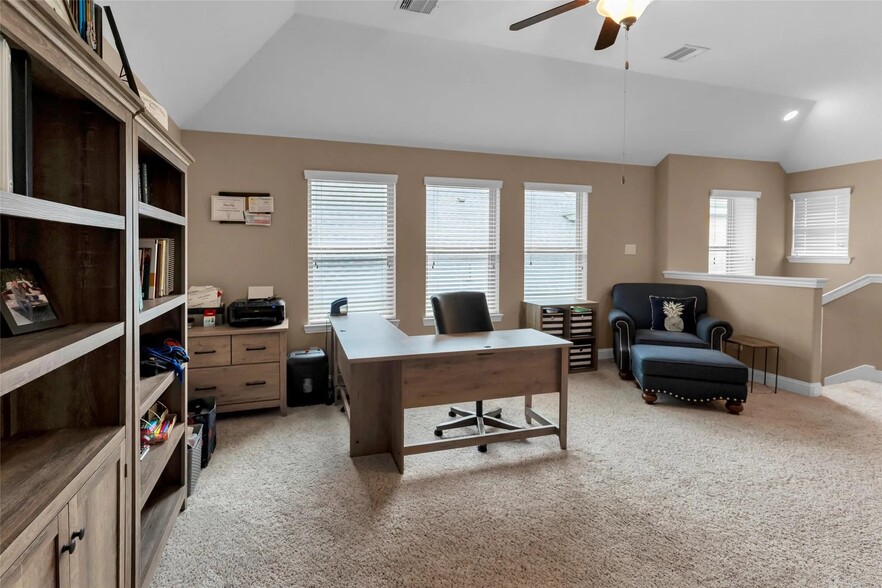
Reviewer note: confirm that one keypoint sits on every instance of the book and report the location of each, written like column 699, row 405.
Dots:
column 170, row 266
column 22, row 123
column 150, row 245
column 160, row 267
column 5, row 117
column 143, row 183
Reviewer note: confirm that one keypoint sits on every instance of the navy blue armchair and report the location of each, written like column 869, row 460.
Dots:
column 631, row 319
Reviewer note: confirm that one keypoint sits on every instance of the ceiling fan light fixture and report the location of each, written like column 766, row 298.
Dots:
column 623, row 12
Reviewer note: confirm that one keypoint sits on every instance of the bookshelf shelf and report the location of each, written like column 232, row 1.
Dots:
column 63, row 454
column 36, row 208
column 27, row 357
column 150, row 389
column 149, row 211
column 159, row 306
column 157, row 519
column 156, row 459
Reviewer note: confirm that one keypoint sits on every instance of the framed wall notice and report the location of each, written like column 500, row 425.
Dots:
column 229, row 209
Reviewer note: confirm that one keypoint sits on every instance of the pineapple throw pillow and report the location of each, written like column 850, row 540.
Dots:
column 673, row 314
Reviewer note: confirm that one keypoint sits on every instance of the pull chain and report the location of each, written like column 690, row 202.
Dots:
column 625, row 98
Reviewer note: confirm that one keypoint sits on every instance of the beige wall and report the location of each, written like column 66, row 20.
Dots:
column 852, row 327
column 683, row 191
column 788, row 316
column 865, row 230
column 234, row 256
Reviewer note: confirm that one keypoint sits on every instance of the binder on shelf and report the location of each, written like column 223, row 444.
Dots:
column 150, row 268
column 22, row 123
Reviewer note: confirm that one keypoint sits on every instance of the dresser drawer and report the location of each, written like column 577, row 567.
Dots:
column 209, row 351
column 260, row 348
column 236, row 384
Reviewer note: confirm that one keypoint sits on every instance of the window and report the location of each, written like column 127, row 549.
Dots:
column 351, row 251
column 462, row 239
column 732, row 240
column 820, row 226
column 555, row 241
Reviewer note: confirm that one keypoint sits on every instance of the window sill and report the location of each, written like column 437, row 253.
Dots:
column 839, row 260
column 429, row 321
column 326, row 327
column 759, row 280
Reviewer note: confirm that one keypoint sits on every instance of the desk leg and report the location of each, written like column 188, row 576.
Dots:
column 528, row 404
column 564, row 384
column 396, row 415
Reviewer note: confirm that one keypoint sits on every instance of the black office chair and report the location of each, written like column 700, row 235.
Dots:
column 466, row 312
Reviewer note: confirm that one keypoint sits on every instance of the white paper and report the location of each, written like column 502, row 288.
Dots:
column 255, row 292
column 228, row 208
column 260, row 204
column 203, row 297
column 260, row 219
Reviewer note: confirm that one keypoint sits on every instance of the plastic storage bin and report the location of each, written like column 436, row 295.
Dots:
column 194, row 456
column 308, row 378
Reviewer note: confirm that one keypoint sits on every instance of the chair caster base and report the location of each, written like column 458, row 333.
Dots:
column 482, row 448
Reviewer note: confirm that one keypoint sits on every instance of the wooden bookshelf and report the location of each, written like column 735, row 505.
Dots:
column 574, row 320
column 66, row 393
column 159, row 481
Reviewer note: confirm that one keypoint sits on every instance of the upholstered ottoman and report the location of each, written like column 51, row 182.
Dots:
column 691, row 374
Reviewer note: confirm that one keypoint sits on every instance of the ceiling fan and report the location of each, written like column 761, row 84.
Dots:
column 617, row 13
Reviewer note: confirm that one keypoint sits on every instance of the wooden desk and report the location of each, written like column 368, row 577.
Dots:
column 386, row 372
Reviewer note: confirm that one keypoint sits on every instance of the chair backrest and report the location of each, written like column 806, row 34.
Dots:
column 461, row 312
column 634, row 299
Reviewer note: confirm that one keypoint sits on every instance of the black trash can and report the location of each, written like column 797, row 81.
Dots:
column 308, row 378
column 203, row 411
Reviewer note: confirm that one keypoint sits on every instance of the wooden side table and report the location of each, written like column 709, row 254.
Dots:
column 755, row 343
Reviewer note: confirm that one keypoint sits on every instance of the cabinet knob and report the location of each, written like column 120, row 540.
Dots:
column 70, row 547
column 81, row 534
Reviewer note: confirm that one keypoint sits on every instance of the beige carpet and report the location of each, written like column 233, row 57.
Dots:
column 789, row 493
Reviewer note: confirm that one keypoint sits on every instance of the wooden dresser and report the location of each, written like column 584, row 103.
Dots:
column 243, row 368
column 571, row 319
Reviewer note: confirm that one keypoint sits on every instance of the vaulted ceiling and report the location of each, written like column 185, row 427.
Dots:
column 459, row 79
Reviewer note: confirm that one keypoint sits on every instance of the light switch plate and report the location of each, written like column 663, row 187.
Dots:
column 630, row 249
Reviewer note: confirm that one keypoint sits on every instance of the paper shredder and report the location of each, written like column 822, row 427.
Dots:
column 308, row 378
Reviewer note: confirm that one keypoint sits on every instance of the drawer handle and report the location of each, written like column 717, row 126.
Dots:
column 261, row 348
column 70, row 547
column 81, row 534
column 205, row 352
column 256, row 383
column 204, row 388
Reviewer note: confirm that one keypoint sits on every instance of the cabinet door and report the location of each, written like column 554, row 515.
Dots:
column 96, row 516
column 43, row 565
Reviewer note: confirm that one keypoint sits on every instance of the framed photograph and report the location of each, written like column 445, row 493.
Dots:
column 25, row 302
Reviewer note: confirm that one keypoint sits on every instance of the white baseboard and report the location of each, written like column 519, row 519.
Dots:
column 789, row 384
column 861, row 372
column 606, row 353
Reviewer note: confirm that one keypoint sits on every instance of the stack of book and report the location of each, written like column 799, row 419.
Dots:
column 157, row 267
column 88, row 20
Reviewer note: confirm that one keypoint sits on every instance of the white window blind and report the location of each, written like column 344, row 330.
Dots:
column 820, row 226
column 462, row 238
column 555, row 241
column 732, row 239
column 351, row 250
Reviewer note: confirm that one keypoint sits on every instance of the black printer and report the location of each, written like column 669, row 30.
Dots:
column 260, row 312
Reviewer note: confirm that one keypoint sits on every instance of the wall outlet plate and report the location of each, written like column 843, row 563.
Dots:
column 630, row 249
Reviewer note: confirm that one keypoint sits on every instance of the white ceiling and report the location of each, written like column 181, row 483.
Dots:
column 459, row 79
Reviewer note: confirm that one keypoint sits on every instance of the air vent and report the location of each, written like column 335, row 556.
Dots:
column 421, row 6
column 686, row 52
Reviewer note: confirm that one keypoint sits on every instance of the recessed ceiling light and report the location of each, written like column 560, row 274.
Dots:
column 791, row 115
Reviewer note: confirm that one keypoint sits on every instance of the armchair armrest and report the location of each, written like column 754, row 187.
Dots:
column 622, row 323
column 713, row 330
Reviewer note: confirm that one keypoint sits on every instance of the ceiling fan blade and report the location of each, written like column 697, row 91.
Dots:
column 608, row 33
column 547, row 14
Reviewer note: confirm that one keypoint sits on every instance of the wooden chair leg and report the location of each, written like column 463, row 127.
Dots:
column 649, row 397
column 734, row 406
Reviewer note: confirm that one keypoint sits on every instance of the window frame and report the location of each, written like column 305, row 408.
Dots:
column 583, row 195
column 820, row 259
column 732, row 195
column 391, row 181
column 495, row 188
